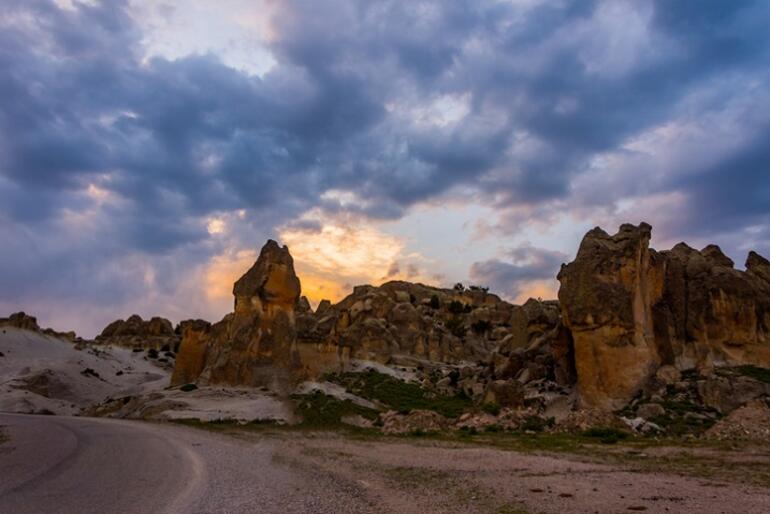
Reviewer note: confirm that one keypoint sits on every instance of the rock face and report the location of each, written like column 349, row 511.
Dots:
column 274, row 337
column 135, row 332
column 606, row 297
column 256, row 344
column 631, row 310
column 405, row 319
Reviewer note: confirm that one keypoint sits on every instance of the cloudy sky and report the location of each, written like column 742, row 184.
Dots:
column 149, row 147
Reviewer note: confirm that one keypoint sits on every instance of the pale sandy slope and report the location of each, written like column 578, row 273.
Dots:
column 44, row 374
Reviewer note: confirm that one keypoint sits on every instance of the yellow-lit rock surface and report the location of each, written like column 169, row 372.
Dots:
column 631, row 310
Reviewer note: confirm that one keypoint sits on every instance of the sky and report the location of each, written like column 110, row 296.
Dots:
column 148, row 148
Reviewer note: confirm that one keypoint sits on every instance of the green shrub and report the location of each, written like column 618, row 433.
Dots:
column 755, row 372
column 492, row 428
column 455, row 326
column 188, row 387
column 456, row 307
column 492, row 408
column 435, row 303
column 606, row 435
column 481, row 326
column 399, row 395
column 467, row 431
column 152, row 353
column 536, row 424
column 320, row 410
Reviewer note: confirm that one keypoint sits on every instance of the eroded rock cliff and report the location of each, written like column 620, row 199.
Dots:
column 256, row 344
column 631, row 310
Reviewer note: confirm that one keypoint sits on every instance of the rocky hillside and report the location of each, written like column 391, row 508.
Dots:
column 670, row 341
column 629, row 322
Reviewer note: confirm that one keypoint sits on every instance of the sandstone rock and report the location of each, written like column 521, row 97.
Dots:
column 650, row 410
column 631, row 310
column 606, row 296
column 20, row 320
column 135, row 332
column 668, row 375
column 256, row 344
column 193, row 350
column 417, row 420
column 505, row 393
column 727, row 394
column 750, row 422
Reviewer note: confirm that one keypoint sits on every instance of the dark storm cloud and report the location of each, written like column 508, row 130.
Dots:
column 527, row 264
column 541, row 91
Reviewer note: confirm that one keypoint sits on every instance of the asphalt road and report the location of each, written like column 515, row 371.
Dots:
column 84, row 465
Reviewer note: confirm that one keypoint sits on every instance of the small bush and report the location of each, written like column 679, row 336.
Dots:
column 401, row 396
column 89, row 372
column 152, row 353
column 188, row 387
column 606, row 435
column 481, row 326
column 755, row 372
column 320, row 410
column 435, row 303
column 492, row 428
column 165, row 348
column 536, row 424
column 456, row 307
column 455, row 326
column 492, row 408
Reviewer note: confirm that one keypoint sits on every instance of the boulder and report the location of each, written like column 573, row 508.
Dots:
column 650, row 410
column 416, row 421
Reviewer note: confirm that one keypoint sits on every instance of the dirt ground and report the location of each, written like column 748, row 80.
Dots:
column 415, row 475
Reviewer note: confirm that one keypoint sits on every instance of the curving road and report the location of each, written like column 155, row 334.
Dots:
column 82, row 465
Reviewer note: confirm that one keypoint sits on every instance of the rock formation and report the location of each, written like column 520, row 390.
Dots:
column 256, row 344
column 135, row 332
column 24, row 321
column 631, row 310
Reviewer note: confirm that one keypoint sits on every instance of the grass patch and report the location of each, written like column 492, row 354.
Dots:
column 492, row 408
column 606, row 435
column 755, row 372
column 320, row 410
column 536, row 424
column 399, row 395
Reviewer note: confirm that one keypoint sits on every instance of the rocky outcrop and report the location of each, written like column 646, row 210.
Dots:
column 156, row 333
column 24, row 321
column 20, row 320
column 606, row 298
column 405, row 319
column 631, row 310
column 190, row 362
column 256, row 344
